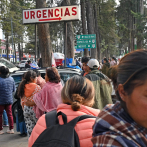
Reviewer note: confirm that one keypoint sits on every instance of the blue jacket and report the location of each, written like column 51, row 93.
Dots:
column 7, row 87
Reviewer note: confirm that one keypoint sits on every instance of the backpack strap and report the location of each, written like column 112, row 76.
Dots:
column 51, row 118
column 79, row 118
column 64, row 117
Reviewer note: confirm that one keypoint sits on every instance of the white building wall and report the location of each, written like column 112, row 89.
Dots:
column 1, row 34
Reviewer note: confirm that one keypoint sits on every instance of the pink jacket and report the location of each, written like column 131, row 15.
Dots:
column 83, row 128
column 48, row 98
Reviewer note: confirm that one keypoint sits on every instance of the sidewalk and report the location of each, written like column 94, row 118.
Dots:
column 13, row 140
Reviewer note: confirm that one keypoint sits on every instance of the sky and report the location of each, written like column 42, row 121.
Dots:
column 117, row 1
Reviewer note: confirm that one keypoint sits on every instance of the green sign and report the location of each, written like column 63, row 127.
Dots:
column 91, row 41
column 75, row 47
column 87, row 46
column 135, row 46
column 89, row 36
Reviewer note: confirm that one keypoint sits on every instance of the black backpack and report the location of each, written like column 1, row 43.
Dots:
column 57, row 135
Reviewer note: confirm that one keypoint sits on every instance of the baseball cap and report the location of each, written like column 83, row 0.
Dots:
column 93, row 63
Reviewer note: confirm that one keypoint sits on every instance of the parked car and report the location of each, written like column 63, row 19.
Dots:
column 24, row 58
column 8, row 64
column 22, row 64
column 65, row 73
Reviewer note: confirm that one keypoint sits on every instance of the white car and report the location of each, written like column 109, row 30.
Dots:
column 8, row 64
column 22, row 63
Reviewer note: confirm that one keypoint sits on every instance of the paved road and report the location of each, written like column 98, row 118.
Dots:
column 13, row 140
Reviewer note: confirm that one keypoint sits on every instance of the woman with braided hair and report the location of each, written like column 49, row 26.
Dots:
column 77, row 97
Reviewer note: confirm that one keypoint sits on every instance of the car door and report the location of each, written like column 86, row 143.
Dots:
column 17, row 79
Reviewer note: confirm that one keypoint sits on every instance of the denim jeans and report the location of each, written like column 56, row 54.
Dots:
column 5, row 118
column 21, row 127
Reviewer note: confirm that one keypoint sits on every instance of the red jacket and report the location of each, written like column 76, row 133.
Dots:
column 83, row 128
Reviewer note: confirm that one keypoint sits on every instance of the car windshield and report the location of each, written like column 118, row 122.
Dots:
column 7, row 63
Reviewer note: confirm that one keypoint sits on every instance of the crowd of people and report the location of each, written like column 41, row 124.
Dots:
column 115, row 95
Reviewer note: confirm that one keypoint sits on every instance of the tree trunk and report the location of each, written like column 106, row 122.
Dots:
column 97, row 33
column 70, row 35
column 132, row 41
column 132, row 33
column 141, row 11
column 70, row 39
column 22, row 47
column 38, row 52
column 142, row 7
column 40, row 49
column 15, row 54
column 125, row 50
column 131, row 24
column 7, row 47
column 84, row 30
column 19, row 52
column 129, row 46
column 90, row 25
column 44, row 37
column 139, row 43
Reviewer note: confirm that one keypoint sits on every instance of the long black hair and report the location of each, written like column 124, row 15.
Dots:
column 4, row 72
column 27, row 78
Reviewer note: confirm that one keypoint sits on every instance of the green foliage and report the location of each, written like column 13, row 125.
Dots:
column 113, row 22
column 104, row 46
column 13, row 10
column 107, row 25
column 132, row 20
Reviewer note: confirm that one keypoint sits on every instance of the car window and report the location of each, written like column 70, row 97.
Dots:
column 66, row 76
column 23, row 61
column 17, row 79
column 43, row 75
column 7, row 63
